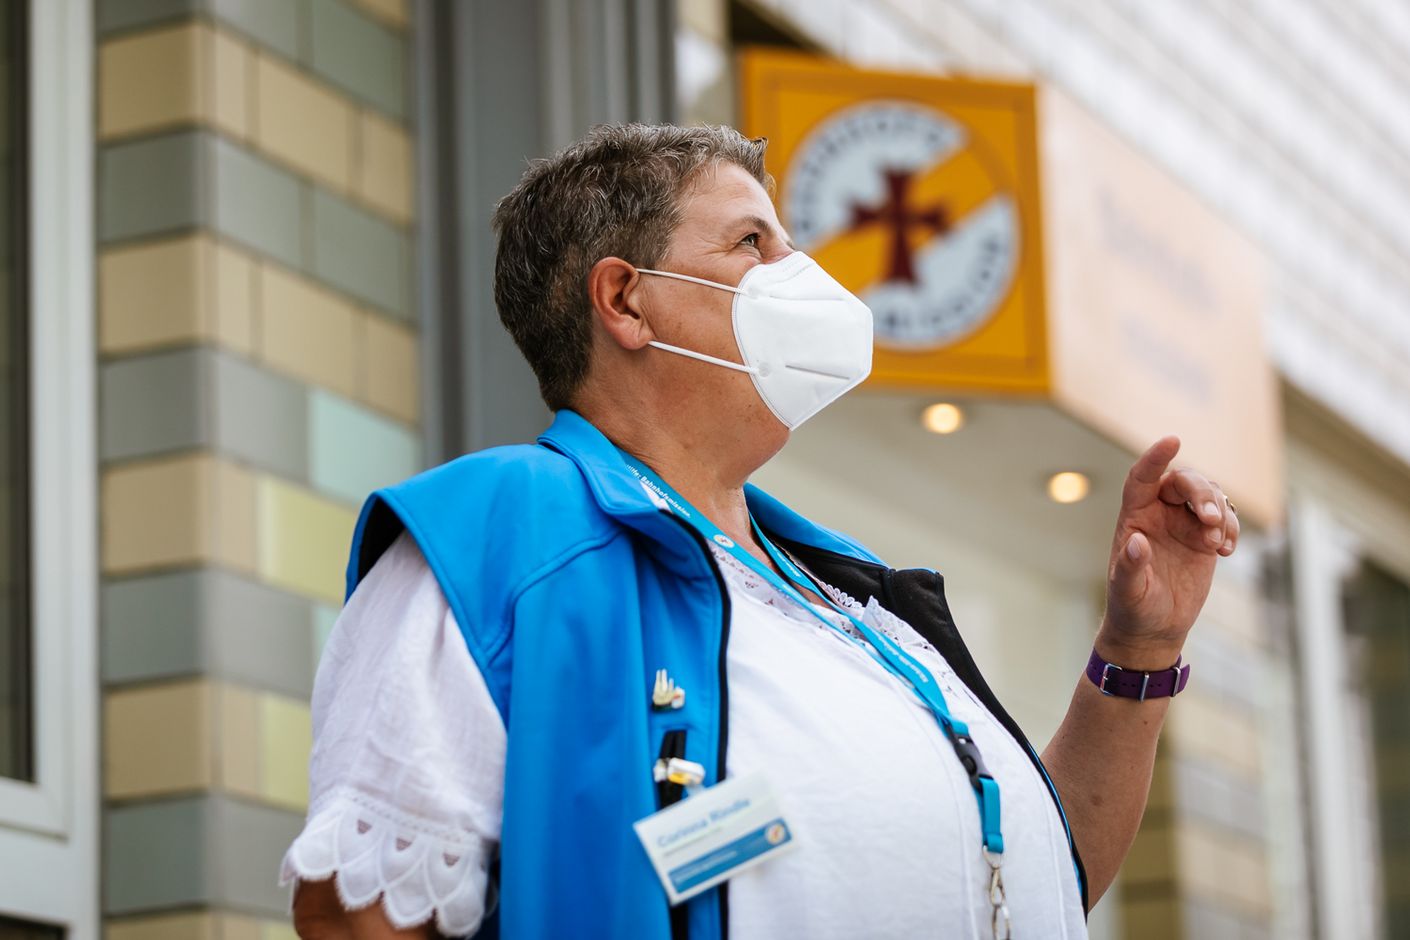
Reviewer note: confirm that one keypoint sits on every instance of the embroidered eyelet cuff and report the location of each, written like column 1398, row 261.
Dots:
column 417, row 869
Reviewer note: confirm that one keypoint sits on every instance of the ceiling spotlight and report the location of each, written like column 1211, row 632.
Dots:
column 942, row 418
column 1068, row 487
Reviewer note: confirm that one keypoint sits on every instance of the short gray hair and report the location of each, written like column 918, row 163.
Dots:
column 616, row 192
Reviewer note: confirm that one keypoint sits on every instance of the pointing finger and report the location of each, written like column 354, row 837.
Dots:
column 1143, row 482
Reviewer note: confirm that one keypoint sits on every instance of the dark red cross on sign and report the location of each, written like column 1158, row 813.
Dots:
column 894, row 214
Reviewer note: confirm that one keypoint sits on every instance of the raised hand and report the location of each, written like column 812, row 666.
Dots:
column 1171, row 530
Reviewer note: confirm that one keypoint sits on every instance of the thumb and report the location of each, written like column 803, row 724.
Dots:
column 1130, row 570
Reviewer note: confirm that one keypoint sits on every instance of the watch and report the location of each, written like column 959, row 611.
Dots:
column 1112, row 679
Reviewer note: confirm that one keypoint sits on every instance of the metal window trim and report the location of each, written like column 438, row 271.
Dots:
column 48, row 829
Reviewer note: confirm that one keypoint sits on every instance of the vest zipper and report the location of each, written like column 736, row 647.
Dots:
column 722, row 730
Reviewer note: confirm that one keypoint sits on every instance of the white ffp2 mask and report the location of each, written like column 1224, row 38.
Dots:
column 804, row 338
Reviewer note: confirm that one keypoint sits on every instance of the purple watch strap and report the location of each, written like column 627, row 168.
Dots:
column 1111, row 679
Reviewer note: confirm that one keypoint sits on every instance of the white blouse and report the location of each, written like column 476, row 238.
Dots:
column 406, row 776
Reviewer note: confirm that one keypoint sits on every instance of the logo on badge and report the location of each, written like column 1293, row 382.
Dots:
column 911, row 213
column 776, row 833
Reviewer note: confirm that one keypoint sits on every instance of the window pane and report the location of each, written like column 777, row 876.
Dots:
column 16, row 718
column 1377, row 609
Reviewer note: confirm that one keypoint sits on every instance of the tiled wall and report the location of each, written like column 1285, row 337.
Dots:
column 258, row 376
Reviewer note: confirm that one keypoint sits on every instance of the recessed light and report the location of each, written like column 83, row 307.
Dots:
column 942, row 418
column 1068, row 487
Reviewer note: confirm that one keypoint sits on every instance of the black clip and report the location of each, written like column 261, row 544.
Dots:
column 972, row 760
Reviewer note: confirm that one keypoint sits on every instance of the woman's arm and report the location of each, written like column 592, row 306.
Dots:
column 1101, row 759
column 319, row 915
column 1172, row 528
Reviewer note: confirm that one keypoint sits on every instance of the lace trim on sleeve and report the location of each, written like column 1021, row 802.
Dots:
column 418, row 869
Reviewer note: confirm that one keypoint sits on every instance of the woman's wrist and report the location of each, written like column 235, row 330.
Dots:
column 1143, row 654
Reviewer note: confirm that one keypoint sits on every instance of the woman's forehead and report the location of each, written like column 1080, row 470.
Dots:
column 725, row 196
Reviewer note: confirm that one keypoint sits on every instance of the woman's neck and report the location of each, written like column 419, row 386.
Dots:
column 708, row 473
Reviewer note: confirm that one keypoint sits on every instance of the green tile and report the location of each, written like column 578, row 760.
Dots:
column 278, row 24
column 354, row 51
column 152, row 185
column 206, row 622
column 155, row 856
column 324, row 618
column 259, row 635
column 251, row 844
column 353, row 451
column 358, row 252
column 154, row 404
column 115, row 15
column 151, row 627
column 199, row 397
column 260, row 416
column 257, row 203
column 205, row 850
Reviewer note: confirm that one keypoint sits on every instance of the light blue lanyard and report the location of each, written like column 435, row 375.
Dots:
column 894, row 659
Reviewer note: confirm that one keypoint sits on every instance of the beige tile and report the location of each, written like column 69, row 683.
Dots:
column 709, row 18
column 303, row 123
column 232, row 300
column 150, row 80
column 1236, row 612
column 229, row 65
column 238, row 754
column 181, row 510
column 233, row 537
column 1206, row 727
column 307, row 331
column 1152, row 856
column 1153, row 918
column 239, row 927
column 385, row 167
column 152, row 295
column 175, row 292
column 273, row 930
column 286, row 737
column 155, row 513
column 156, row 740
column 1223, row 867
column 392, row 12
column 183, row 926
column 303, row 540
column 392, row 372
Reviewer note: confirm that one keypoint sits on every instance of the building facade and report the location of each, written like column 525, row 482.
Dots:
column 246, row 280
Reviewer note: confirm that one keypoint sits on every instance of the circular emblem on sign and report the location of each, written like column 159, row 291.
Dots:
column 775, row 833
column 906, row 210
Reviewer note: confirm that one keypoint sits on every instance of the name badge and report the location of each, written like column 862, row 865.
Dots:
column 713, row 834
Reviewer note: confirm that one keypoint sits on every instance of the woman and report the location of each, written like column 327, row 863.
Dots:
column 545, row 646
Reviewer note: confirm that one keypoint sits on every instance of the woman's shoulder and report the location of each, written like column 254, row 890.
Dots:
column 493, row 516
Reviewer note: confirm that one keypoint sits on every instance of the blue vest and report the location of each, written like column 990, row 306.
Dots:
column 572, row 588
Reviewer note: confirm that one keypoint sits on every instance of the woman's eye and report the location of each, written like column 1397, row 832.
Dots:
column 752, row 240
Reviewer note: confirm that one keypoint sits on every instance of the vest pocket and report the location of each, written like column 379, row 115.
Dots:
column 672, row 745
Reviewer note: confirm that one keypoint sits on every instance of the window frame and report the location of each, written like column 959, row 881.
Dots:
column 48, row 827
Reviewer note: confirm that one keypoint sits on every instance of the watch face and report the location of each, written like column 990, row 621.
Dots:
column 903, row 179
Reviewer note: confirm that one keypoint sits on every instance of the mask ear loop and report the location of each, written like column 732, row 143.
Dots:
column 690, row 353
column 693, row 280
column 702, row 357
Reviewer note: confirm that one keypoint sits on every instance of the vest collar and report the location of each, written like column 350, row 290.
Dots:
column 621, row 496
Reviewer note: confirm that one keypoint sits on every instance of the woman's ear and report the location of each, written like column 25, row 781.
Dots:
column 614, row 290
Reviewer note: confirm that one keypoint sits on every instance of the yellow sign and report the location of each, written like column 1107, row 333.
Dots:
column 1113, row 292
column 920, row 195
